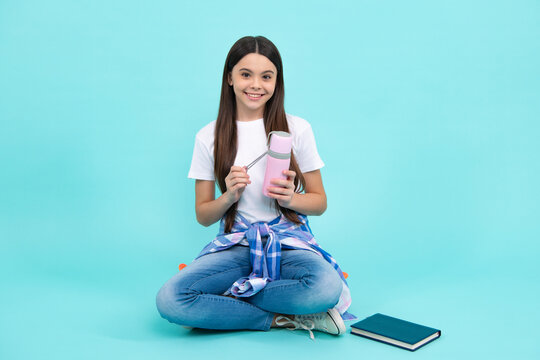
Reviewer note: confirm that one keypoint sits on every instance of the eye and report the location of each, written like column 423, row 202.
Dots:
column 244, row 74
column 267, row 77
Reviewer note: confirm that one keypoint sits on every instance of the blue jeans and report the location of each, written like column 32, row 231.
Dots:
column 192, row 297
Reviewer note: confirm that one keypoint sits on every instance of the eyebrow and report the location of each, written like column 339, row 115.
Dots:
column 252, row 71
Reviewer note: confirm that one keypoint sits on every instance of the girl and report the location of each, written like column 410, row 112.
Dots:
column 264, row 268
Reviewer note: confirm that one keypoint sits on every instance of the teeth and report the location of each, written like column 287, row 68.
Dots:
column 253, row 95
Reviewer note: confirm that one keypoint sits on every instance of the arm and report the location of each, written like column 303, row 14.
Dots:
column 313, row 202
column 207, row 208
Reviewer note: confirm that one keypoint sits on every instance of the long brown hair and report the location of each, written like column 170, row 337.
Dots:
column 225, row 136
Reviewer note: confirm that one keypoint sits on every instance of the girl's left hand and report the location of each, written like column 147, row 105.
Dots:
column 283, row 193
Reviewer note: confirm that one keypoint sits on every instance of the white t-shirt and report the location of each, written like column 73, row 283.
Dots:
column 253, row 205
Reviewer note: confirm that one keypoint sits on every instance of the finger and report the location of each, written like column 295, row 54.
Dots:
column 238, row 187
column 289, row 173
column 280, row 182
column 277, row 196
column 238, row 174
column 279, row 190
column 242, row 179
column 238, row 168
column 237, row 181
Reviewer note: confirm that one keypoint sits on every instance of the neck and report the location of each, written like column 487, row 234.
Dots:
column 249, row 115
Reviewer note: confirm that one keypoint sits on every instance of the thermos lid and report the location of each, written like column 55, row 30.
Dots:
column 280, row 142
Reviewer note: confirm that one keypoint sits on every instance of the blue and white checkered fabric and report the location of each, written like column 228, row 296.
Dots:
column 279, row 233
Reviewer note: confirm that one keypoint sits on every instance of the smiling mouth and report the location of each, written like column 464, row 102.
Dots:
column 254, row 96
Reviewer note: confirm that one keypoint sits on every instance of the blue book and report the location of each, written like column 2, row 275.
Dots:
column 395, row 332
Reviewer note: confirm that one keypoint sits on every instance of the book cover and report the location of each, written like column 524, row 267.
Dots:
column 395, row 331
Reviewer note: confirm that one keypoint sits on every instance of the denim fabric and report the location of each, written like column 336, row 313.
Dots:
column 193, row 297
column 266, row 259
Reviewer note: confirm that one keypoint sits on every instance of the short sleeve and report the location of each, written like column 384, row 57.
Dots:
column 202, row 162
column 307, row 155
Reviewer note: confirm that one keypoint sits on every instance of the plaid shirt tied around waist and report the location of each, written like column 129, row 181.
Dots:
column 280, row 233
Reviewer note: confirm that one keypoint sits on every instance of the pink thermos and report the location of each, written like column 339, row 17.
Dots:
column 278, row 159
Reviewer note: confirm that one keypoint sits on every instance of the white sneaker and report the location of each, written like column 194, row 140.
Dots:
column 330, row 322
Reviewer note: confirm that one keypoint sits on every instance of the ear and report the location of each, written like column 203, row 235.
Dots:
column 229, row 77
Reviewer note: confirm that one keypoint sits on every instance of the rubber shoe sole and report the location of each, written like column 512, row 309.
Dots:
column 338, row 321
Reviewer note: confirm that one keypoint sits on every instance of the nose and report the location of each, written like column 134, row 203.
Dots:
column 255, row 83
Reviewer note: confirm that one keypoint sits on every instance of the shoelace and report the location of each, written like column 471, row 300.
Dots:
column 306, row 324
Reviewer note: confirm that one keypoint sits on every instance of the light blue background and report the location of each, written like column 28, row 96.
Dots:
column 425, row 113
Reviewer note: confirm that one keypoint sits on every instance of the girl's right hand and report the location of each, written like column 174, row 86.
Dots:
column 236, row 182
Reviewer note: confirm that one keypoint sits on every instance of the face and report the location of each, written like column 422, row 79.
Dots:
column 253, row 79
